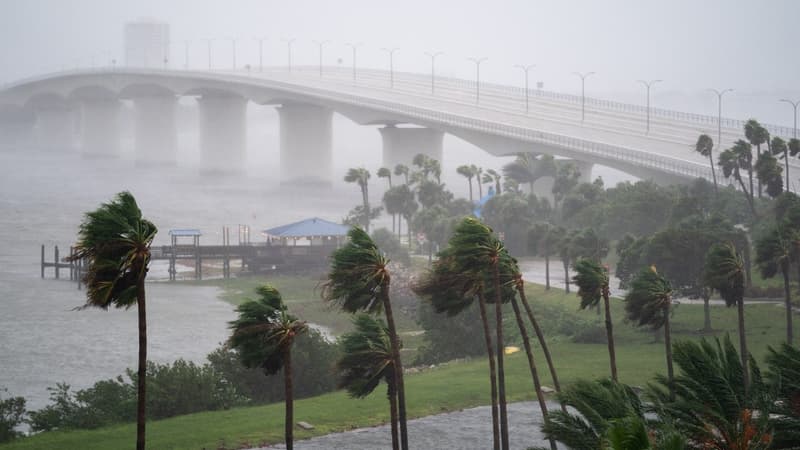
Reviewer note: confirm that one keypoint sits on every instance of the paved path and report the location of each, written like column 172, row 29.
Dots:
column 468, row 429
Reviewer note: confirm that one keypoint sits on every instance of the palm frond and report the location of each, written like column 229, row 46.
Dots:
column 357, row 274
column 592, row 280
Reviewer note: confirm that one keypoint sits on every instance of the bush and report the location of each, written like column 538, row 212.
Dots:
column 449, row 337
column 12, row 414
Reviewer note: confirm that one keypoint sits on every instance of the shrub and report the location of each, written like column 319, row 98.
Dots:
column 12, row 414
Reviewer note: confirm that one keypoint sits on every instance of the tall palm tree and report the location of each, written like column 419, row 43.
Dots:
column 527, row 168
column 401, row 169
column 115, row 240
column 724, row 273
column 648, row 303
column 383, row 172
column 733, row 161
column 773, row 255
column 361, row 177
column 478, row 173
column 592, row 281
column 756, row 135
column 468, row 172
column 563, row 243
column 779, row 147
column 705, row 146
column 492, row 176
column 367, row 358
column 263, row 336
column 359, row 280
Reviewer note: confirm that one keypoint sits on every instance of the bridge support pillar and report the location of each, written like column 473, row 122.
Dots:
column 306, row 138
column 400, row 145
column 54, row 129
column 100, row 127
column 155, row 133
column 223, row 132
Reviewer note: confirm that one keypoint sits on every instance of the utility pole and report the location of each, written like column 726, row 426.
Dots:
column 433, row 56
column 583, row 92
column 289, row 43
column 648, row 84
column 478, row 62
column 527, row 93
column 354, row 47
column 320, row 44
column 391, row 51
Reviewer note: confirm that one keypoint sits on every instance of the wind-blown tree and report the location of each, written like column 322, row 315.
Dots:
column 592, row 281
column 367, row 358
column 705, row 146
column 115, row 240
column 566, row 178
column 408, row 207
column 361, row 177
column 587, row 243
column 527, row 168
column 648, row 303
column 542, row 241
column 773, row 255
column 383, row 172
column 478, row 175
column 735, row 160
column 492, row 176
column 724, row 273
column 563, row 242
column 358, row 281
column 430, row 192
column 468, row 172
column 779, row 148
column 768, row 172
column 428, row 166
column 401, row 169
column 784, row 377
column 263, row 336
column 756, row 135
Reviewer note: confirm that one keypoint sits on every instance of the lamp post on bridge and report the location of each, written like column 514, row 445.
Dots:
column 719, row 114
column 478, row 62
column 320, row 44
column 391, row 51
column 289, row 43
column 261, row 53
column 648, row 84
column 583, row 77
column 794, row 106
column 208, row 45
column 354, row 47
column 186, row 55
column 433, row 56
column 233, row 52
column 526, row 69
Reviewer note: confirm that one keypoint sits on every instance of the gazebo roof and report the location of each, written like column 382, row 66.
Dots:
column 309, row 227
column 185, row 232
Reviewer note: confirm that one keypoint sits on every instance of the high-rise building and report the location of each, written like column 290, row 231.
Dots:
column 146, row 43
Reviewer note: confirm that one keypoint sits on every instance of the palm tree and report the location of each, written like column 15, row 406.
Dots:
column 784, row 377
column 541, row 241
column 705, row 146
column 526, row 168
column 383, row 172
column 361, row 177
column 768, row 172
column 773, row 255
column 263, row 336
column 478, row 174
column 648, row 303
column 563, row 243
column 756, row 135
column 490, row 176
column 359, row 281
column 592, row 281
column 401, row 169
column 367, row 358
column 733, row 161
column 724, row 272
column 469, row 173
column 115, row 240
column 779, row 147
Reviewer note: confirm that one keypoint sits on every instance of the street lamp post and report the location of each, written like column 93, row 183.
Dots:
column 289, row 43
column 648, row 84
column 233, row 52
column 719, row 114
column 433, row 70
column 186, row 55
column 391, row 51
column 794, row 105
column 583, row 92
column 526, row 69
column 261, row 53
column 354, row 47
column 477, row 62
column 208, row 44
column 320, row 44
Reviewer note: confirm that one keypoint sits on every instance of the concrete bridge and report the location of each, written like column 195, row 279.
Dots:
column 412, row 112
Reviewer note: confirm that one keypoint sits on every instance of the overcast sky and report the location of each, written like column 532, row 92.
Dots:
column 751, row 46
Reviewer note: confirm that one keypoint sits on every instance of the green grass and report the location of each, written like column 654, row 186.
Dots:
column 446, row 388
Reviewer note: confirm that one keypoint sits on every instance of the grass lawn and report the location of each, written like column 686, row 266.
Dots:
column 447, row 387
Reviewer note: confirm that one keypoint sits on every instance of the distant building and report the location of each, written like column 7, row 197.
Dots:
column 146, row 43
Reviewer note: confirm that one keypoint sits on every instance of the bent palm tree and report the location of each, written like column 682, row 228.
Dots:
column 115, row 240
column 592, row 281
column 705, row 146
column 367, row 358
column 361, row 177
column 773, row 255
column 359, row 281
column 469, row 173
column 648, row 303
column 724, row 273
column 263, row 335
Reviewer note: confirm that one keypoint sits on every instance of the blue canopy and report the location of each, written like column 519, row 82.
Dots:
column 309, row 227
column 482, row 201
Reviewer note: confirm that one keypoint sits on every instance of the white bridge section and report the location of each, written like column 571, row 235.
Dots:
column 613, row 134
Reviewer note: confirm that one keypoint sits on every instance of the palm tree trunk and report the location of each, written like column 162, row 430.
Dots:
column 288, row 421
column 398, row 365
column 537, row 385
column 392, row 394
column 788, row 293
column 480, row 189
column 470, row 190
column 750, row 177
column 758, row 156
column 501, row 378
column 399, row 227
column 748, row 195
column 743, row 345
column 546, row 270
column 668, row 347
column 542, row 342
column 713, row 171
column 141, row 378
column 706, row 313
column 566, row 275
column 612, row 356
column 487, row 336
column 786, row 159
